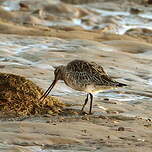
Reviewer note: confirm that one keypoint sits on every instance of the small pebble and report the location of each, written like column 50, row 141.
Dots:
column 48, row 121
column 147, row 125
column 85, row 131
column 121, row 129
column 148, row 119
column 134, row 11
column 106, row 99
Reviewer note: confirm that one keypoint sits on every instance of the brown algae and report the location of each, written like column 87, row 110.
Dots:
column 20, row 97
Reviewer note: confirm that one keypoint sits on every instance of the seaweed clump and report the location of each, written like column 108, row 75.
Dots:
column 20, row 97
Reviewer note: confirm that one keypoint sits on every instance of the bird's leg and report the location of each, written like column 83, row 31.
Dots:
column 91, row 99
column 86, row 100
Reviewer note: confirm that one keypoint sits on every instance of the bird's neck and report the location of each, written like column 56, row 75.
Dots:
column 62, row 74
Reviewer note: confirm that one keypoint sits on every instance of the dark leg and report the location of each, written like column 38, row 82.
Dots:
column 91, row 99
column 86, row 100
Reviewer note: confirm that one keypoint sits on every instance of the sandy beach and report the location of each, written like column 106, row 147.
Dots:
column 37, row 36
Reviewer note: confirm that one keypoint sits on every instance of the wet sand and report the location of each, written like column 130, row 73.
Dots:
column 121, row 119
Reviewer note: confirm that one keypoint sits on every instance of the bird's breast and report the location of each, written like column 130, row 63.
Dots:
column 74, row 84
column 97, row 88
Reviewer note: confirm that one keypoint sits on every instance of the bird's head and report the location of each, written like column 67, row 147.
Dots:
column 58, row 72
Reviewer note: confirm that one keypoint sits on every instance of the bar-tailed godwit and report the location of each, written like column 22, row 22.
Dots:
column 83, row 76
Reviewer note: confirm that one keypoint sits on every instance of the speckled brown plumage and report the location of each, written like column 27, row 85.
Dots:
column 84, row 76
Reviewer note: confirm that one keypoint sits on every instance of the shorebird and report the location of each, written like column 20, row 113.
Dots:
column 83, row 76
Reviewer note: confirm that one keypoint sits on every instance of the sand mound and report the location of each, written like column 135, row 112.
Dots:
column 19, row 97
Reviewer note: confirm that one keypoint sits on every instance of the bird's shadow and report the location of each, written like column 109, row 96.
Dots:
column 72, row 112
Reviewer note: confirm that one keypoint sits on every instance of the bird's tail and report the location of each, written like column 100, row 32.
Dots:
column 118, row 84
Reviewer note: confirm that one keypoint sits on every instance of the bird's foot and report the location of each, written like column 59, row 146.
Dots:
column 83, row 113
column 90, row 113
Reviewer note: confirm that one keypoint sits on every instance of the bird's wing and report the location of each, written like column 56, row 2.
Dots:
column 88, row 72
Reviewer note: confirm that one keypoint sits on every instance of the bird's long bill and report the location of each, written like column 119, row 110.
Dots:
column 48, row 90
